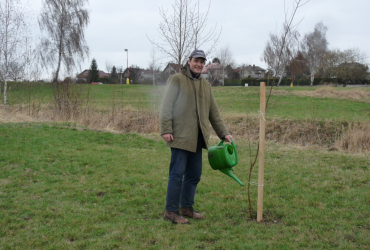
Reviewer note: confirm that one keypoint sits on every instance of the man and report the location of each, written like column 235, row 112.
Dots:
column 187, row 109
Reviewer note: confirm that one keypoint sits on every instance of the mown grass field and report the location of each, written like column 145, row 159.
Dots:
column 285, row 102
column 67, row 188
column 63, row 186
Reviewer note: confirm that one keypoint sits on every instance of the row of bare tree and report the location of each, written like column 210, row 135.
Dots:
column 184, row 28
column 62, row 24
column 310, row 57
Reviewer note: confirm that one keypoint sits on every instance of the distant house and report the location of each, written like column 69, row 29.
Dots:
column 252, row 71
column 146, row 74
column 212, row 68
column 84, row 75
column 134, row 74
column 153, row 76
column 138, row 75
column 102, row 74
column 171, row 68
column 214, row 73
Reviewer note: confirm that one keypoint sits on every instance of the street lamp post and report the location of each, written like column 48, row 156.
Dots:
column 127, row 79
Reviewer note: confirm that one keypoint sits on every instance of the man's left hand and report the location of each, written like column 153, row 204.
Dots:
column 228, row 138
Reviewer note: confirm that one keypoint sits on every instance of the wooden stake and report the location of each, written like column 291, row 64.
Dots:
column 261, row 153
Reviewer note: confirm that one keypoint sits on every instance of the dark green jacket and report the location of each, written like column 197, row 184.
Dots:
column 188, row 104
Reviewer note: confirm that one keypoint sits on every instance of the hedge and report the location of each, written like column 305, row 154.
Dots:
column 287, row 82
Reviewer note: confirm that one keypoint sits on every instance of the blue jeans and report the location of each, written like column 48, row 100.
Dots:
column 185, row 172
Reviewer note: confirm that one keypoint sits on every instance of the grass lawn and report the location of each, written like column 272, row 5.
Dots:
column 235, row 100
column 64, row 187
column 290, row 106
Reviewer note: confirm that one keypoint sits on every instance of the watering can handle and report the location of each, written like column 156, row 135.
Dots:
column 233, row 144
column 236, row 152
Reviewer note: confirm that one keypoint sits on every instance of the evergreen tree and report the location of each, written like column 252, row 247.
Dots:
column 93, row 72
column 216, row 60
column 113, row 74
column 231, row 73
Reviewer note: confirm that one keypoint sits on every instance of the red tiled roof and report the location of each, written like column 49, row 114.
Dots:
column 175, row 66
column 211, row 66
column 85, row 73
column 103, row 74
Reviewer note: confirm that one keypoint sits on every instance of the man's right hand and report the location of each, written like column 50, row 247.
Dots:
column 167, row 137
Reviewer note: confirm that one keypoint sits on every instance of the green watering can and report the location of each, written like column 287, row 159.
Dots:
column 223, row 157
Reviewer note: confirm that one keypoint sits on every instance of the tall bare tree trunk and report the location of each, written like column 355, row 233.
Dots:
column 5, row 93
column 6, row 51
column 278, row 84
column 13, row 41
column 59, row 57
column 153, row 78
column 312, row 78
column 58, row 68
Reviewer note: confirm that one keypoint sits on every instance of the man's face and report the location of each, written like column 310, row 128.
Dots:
column 196, row 64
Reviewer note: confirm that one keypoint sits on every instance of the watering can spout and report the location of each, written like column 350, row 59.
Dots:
column 228, row 172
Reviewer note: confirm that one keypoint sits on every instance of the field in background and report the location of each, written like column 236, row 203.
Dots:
column 329, row 117
column 286, row 103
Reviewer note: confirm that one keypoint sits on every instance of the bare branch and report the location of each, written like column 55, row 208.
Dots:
column 108, row 66
column 64, row 23
column 276, row 54
column 314, row 47
column 14, row 37
column 184, row 30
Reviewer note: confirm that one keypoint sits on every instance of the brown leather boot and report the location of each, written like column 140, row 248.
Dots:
column 175, row 217
column 189, row 212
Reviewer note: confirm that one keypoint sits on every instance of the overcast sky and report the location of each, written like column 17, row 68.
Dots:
column 117, row 25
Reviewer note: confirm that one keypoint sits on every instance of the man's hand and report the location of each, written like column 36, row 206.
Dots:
column 228, row 138
column 167, row 137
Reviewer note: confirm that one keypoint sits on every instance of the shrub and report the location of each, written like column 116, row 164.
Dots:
column 287, row 82
column 105, row 80
column 231, row 82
